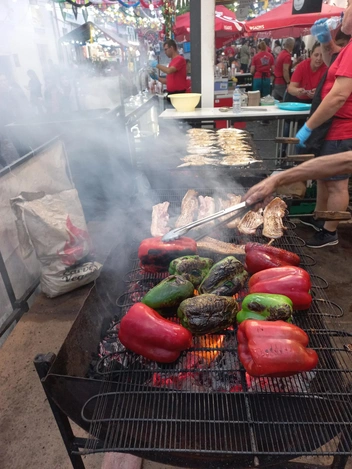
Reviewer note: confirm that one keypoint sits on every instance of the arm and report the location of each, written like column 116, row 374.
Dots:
column 317, row 168
column 286, row 72
column 252, row 70
column 332, row 102
column 162, row 80
column 165, row 69
column 294, row 89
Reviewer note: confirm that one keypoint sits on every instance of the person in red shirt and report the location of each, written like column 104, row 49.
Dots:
column 262, row 67
column 336, row 104
column 282, row 69
column 176, row 72
column 307, row 76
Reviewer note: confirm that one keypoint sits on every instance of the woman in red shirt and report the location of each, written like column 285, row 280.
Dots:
column 307, row 76
column 332, row 193
column 262, row 67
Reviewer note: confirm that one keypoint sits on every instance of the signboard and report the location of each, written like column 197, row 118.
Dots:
column 306, row 6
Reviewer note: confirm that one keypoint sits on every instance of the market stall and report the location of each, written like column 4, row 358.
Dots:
column 280, row 22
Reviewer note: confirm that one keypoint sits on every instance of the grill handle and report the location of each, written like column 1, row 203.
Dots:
column 330, row 215
column 303, row 157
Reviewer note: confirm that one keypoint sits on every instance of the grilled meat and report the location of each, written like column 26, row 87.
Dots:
column 160, row 219
column 220, row 247
column 189, row 208
column 273, row 215
column 250, row 222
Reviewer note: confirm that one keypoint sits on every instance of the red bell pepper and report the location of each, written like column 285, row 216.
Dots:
column 145, row 332
column 291, row 281
column 155, row 255
column 261, row 256
column 274, row 349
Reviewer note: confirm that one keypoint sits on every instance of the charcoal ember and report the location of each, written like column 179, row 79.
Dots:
column 226, row 374
column 299, row 383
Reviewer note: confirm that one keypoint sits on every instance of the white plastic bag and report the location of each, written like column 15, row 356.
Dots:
column 55, row 227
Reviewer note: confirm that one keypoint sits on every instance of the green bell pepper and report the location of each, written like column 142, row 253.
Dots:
column 192, row 268
column 266, row 307
column 169, row 293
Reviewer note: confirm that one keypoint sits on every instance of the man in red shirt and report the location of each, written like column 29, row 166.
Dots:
column 282, row 69
column 176, row 72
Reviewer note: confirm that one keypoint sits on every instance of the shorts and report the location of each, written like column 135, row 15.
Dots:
column 331, row 147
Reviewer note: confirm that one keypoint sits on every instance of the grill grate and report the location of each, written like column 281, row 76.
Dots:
column 143, row 408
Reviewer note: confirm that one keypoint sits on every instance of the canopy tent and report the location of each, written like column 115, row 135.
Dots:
column 227, row 28
column 280, row 22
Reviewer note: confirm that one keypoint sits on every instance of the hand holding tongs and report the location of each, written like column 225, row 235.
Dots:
column 178, row 232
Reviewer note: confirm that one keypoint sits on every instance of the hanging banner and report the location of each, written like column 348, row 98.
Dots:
column 242, row 13
column 306, row 6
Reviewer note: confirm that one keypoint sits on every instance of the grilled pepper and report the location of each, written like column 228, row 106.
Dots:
column 145, row 332
column 265, row 306
column 168, row 293
column 192, row 268
column 155, row 256
column 290, row 281
column 206, row 314
column 261, row 256
column 275, row 349
column 225, row 277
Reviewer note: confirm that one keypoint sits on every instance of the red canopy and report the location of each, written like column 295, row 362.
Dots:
column 282, row 23
column 227, row 27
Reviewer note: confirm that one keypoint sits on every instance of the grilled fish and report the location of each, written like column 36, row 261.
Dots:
column 250, row 222
column 273, row 215
column 160, row 219
column 220, row 247
column 189, row 207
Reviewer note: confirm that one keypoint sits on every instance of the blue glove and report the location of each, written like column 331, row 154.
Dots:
column 321, row 30
column 153, row 76
column 153, row 63
column 303, row 134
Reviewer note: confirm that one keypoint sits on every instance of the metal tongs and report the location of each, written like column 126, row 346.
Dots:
column 178, row 232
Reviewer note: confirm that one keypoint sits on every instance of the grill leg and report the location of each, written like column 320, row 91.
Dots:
column 340, row 461
column 42, row 364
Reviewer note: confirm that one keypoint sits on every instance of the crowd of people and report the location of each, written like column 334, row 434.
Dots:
column 325, row 80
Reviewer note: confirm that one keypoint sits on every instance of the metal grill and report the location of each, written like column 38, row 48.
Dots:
column 142, row 407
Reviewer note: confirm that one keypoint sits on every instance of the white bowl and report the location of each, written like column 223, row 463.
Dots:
column 185, row 102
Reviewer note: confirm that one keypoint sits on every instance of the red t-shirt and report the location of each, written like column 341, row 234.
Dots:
column 263, row 61
column 283, row 58
column 177, row 81
column 341, row 127
column 306, row 78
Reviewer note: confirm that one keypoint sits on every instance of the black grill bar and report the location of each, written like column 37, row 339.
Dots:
column 148, row 408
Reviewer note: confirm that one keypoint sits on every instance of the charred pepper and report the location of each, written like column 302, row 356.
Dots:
column 192, row 268
column 265, row 306
column 275, row 349
column 206, row 314
column 169, row 293
column 145, row 332
column 155, row 255
column 225, row 277
column 261, row 256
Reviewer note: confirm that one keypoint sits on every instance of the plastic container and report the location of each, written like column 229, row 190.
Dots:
column 334, row 22
column 236, row 101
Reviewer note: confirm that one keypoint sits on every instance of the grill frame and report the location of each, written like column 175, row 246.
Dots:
column 243, row 456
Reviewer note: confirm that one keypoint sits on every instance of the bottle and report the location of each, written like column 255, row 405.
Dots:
column 236, row 101
column 334, row 22
column 229, row 73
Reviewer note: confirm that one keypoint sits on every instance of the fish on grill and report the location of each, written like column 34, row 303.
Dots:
column 189, row 207
column 273, row 215
column 220, row 247
column 197, row 160
column 250, row 222
column 160, row 219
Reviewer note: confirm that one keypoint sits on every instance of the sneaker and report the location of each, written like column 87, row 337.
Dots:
column 310, row 221
column 322, row 239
